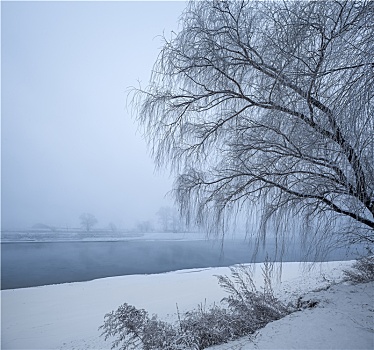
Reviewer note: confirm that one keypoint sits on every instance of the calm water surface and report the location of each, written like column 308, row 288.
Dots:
column 41, row 263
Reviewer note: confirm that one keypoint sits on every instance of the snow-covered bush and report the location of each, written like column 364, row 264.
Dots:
column 249, row 308
column 201, row 327
column 132, row 328
column 362, row 270
column 242, row 312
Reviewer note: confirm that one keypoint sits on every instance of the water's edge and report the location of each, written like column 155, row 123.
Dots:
column 31, row 264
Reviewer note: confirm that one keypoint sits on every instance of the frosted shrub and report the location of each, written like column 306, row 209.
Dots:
column 132, row 328
column 202, row 328
column 242, row 312
column 362, row 270
column 249, row 308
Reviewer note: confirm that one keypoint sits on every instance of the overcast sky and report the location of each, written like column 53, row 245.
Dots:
column 69, row 145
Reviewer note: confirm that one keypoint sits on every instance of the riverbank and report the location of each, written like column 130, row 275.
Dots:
column 48, row 236
column 67, row 316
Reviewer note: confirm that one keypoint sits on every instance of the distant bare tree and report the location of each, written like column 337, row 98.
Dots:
column 269, row 105
column 169, row 219
column 144, row 226
column 164, row 214
column 87, row 221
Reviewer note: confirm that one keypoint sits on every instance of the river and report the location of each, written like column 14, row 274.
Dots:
column 30, row 264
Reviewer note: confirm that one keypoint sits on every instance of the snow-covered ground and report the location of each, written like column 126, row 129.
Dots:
column 67, row 316
column 343, row 319
column 98, row 236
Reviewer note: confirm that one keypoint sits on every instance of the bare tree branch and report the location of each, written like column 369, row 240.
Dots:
column 268, row 105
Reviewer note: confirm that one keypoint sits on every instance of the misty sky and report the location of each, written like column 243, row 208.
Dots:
column 69, row 144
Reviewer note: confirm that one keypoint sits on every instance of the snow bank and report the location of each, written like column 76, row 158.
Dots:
column 67, row 316
column 343, row 319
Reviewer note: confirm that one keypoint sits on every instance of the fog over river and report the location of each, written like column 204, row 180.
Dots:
column 29, row 264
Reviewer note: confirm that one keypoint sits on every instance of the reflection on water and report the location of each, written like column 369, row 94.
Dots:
column 35, row 264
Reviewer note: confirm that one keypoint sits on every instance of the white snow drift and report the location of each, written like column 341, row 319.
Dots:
column 67, row 316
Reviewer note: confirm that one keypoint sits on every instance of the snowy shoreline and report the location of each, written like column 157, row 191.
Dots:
column 29, row 236
column 67, row 316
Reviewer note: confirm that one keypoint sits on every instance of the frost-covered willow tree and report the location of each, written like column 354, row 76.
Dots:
column 266, row 108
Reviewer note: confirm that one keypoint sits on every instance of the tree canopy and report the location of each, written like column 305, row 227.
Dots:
column 267, row 108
